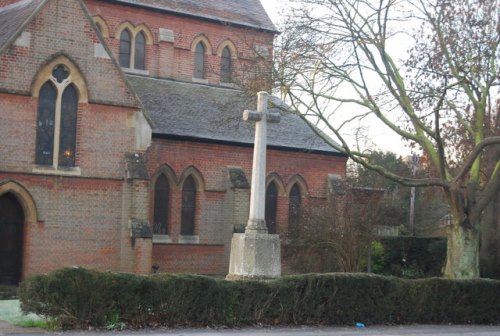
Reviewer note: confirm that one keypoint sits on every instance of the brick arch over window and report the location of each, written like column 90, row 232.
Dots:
column 77, row 78
column 101, row 25
column 274, row 189
column 164, row 182
column 23, row 196
column 198, row 177
column 279, row 183
column 204, row 40
column 230, row 45
column 299, row 180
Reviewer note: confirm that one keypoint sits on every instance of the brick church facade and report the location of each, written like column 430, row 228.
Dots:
column 121, row 140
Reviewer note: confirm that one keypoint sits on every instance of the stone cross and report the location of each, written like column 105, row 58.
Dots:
column 256, row 221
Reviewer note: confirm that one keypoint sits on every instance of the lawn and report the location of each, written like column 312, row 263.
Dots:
column 10, row 312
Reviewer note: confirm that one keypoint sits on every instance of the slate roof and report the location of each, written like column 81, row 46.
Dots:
column 242, row 12
column 214, row 114
column 13, row 17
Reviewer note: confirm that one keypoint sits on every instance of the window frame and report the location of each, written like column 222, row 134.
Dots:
column 226, row 65
column 56, row 161
column 200, row 60
column 188, row 203
column 271, row 209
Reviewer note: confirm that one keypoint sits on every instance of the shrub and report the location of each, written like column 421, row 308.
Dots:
column 77, row 298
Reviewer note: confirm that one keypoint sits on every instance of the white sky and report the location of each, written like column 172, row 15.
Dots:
column 383, row 138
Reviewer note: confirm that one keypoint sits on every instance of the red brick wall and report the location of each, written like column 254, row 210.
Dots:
column 82, row 220
column 181, row 65
column 79, row 222
column 200, row 259
column 62, row 27
column 215, row 212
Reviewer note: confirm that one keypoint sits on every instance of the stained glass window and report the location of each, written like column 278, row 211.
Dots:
column 125, row 48
column 161, row 205
column 45, row 124
column 225, row 66
column 140, row 51
column 188, row 206
column 60, row 73
column 67, row 143
column 271, row 207
column 199, row 61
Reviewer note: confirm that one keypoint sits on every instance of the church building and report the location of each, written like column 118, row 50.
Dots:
column 122, row 143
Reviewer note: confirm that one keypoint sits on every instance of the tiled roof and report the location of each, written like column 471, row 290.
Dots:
column 243, row 12
column 13, row 17
column 208, row 113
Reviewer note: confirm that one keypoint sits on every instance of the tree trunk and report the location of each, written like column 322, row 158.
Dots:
column 462, row 258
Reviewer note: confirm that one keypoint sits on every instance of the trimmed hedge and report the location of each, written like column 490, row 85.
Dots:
column 77, row 297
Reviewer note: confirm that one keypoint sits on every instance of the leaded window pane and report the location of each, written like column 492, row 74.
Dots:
column 294, row 209
column 60, row 73
column 45, row 124
column 161, row 206
column 140, row 51
column 271, row 207
column 188, row 206
column 225, row 66
column 125, row 47
column 67, row 143
column 199, row 61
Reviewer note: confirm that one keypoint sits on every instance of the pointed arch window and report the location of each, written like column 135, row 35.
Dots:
column 140, row 51
column 125, row 48
column 199, row 61
column 132, row 53
column 57, row 120
column 188, row 206
column 294, row 209
column 271, row 207
column 161, row 206
column 225, row 66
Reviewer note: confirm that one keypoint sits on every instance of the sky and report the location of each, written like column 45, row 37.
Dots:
column 382, row 138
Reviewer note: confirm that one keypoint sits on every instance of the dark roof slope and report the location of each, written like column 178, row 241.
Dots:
column 13, row 17
column 207, row 113
column 243, row 12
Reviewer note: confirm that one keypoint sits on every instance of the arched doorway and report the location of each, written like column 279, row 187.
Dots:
column 11, row 239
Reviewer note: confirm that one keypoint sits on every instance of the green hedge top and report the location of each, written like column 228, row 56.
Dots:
column 78, row 297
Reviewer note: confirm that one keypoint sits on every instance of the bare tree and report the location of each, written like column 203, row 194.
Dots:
column 336, row 55
column 335, row 236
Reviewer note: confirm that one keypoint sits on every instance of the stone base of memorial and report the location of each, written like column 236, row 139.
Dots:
column 254, row 256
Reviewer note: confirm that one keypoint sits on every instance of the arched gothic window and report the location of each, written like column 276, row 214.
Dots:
column 271, row 207
column 294, row 209
column 125, row 48
column 132, row 52
column 188, row 206
column 56, row 120
column 225, row 66
column 140, row 51
column 199, row 61
column 161, row 206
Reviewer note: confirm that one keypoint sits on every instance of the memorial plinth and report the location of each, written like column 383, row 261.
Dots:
column 256, row 254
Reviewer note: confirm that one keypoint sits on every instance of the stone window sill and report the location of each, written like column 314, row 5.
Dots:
column 189, row 240
column 136, row 71
column 62, row 171
column 200, row 80
column 161, row 239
